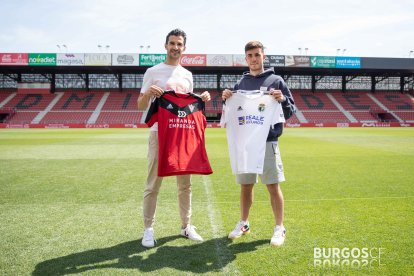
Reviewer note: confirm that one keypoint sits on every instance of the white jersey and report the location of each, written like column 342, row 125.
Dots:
column 247, row 119
column 168, row 77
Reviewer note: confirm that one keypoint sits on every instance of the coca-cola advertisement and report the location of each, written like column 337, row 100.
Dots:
column 193, row 60
column 14, row 59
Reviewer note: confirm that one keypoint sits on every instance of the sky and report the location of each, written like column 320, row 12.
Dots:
column 364, row 28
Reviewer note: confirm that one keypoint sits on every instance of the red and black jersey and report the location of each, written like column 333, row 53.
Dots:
column 181, row 126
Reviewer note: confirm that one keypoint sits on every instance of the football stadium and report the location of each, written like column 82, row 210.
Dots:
column 74, row 158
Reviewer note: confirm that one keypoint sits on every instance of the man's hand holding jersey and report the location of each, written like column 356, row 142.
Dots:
column 155, row 91
column 226, row 94
column 144, row 97
column 278, row 95
column 205, row 96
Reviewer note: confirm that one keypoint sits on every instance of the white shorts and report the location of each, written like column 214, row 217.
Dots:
column 272, row 168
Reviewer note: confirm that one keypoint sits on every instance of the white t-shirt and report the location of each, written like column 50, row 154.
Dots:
column 247, row 119
column 168, row 77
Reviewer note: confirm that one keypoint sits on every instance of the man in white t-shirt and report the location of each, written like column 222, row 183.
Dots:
column 169, row 75
column 264, row 80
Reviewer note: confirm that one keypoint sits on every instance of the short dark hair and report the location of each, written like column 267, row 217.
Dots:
column 253, row 45
column 176, row 32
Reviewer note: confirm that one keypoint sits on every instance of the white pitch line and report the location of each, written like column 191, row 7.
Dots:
column 216, row 225
column 215, row 219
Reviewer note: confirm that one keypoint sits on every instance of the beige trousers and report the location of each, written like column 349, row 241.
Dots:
column 153, row 184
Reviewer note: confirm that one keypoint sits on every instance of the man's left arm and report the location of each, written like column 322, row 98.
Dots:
column 288, row 105
column 284, row 96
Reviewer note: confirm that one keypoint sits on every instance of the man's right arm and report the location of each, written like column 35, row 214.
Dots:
column 145, row 95
column 143, row 100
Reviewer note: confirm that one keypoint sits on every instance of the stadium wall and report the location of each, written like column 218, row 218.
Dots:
column 209, row 125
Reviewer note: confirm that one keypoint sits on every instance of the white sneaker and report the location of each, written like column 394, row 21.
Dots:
column 242, row 228
column 148, row 239
column 190, row 232
column 279, row 235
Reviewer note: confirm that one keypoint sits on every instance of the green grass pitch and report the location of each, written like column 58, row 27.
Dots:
column 71, row 202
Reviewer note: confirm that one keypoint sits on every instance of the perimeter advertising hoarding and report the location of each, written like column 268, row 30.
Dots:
column 193, row 60
column 387, row 63
column 297, row 61
column 219, row 60
column 274, row 61
column 322, row 62
column 125, row 59
column 70, row 59
column 151, row 59
column 239, row 61
column 348, row 62
column 98, row 59
column 42, row 59
column 14, row 59
column 270, row 61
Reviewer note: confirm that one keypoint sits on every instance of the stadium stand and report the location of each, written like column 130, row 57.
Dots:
column 4, row 93
column 97, row 96
column 23, row 117
column 29, row 102
column 406, row 116
column 72, row 108
column 120, row 108
column 121, row 101
column 119, row 117
column 306, row 100
column 114, row 107
column 66, row 117
column 399, row 105
column 326, row 117
column 395, row 101
column 78, row 101
column 355, row 101
column 294, row 119
column 27, row 106
column 359, row 105
column 215, row 105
